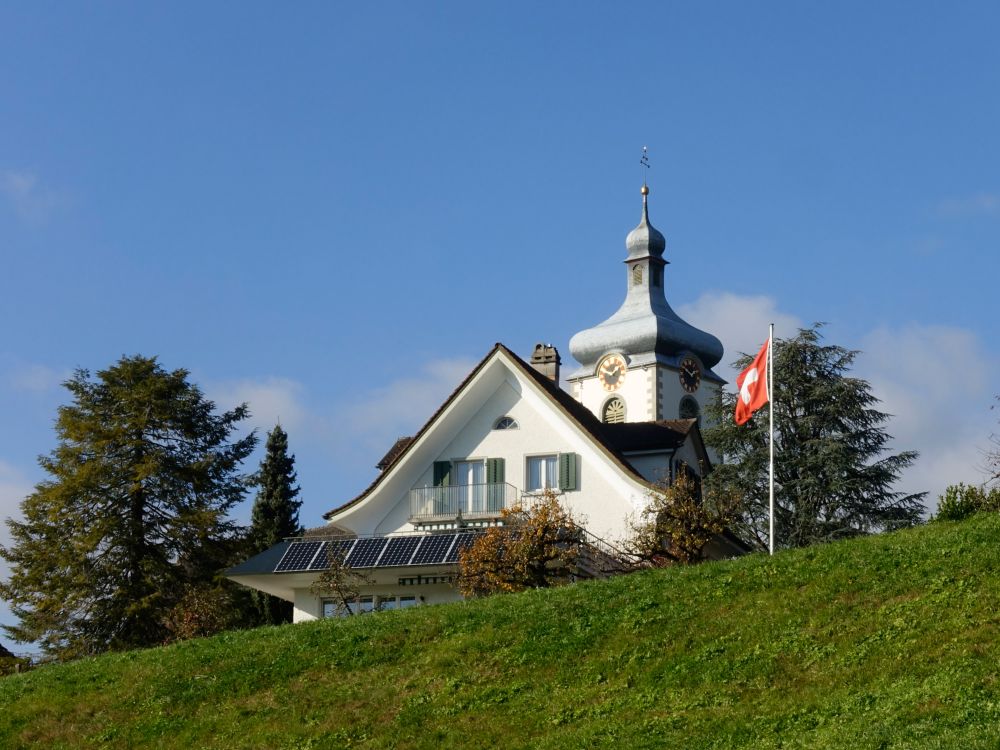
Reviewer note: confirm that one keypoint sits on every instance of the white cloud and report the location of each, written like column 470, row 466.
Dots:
column 36, row 378
column 31, row 200
column 741, row 323
column 981, row 204
column 271, row 401
column 934, row 380
column 14, row 487
column 402, row 406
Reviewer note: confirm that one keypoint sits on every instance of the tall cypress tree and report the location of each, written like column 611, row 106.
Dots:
column 133, row 513
column 275, row 515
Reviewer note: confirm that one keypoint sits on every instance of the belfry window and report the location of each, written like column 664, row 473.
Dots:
column 688, row 408
column 614, row 411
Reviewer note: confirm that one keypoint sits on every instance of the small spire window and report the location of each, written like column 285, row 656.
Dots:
column 636, row 275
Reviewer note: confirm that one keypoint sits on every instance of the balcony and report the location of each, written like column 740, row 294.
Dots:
column 468, row 501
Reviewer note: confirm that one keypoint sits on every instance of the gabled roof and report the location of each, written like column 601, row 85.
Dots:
column 606, row 441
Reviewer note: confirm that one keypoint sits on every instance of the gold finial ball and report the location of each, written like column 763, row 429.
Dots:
column 645, row 190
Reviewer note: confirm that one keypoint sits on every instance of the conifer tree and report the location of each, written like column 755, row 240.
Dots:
column 833, row 478
column 133, row 513
column 275, row 515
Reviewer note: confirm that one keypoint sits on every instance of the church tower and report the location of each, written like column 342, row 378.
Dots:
column 644, row 363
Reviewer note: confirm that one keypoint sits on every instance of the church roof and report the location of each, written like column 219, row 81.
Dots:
column 645, row 323
column 610, row 442
column 640, row 436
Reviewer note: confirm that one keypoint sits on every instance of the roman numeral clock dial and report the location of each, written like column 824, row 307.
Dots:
column 611, row 372
column 690, row 374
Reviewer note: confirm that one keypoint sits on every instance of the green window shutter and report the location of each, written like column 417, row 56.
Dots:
column 494, row 471
column 442, row 473
column 567, row 471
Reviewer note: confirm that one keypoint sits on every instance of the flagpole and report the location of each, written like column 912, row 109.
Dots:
column 770, row 410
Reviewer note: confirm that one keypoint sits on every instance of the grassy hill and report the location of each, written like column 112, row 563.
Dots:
column 891, row 641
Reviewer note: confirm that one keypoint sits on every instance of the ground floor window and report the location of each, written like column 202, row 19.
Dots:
column 334, row 608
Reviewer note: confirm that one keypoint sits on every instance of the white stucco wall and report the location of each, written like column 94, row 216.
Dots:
column 308, row 606
column 637, row 391
column 604, row 500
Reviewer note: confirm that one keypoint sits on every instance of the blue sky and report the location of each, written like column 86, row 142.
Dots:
column 333, row 210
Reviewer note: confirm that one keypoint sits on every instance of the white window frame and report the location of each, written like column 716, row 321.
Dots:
column 549, row 478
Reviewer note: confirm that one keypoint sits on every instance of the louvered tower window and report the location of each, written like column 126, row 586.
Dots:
column 614, row 411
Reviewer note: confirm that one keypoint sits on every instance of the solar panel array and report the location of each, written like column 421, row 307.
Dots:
column 462, row 541
column 365, row 553
column 337, row 549
column 398, row 551
column 382, row 552
column 433, row 549
column 298, row 556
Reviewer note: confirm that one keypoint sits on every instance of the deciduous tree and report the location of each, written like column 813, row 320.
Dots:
column 341, row 584
column 536, row 547
column 679, row 521
column 833, row 476
column 133, row 513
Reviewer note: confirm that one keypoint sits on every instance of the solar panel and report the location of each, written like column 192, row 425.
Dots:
column 365, row 553
column 398, row 551
column 433, row 549
column 462, row 541
column 338, row 548
column 298, row 556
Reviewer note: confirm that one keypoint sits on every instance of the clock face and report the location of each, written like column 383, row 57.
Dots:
column 690, row 374
column 611, row 372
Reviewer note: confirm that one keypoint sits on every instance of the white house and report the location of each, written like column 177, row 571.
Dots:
column 507, row 433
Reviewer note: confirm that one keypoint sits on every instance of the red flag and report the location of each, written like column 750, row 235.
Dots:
column 752, row 383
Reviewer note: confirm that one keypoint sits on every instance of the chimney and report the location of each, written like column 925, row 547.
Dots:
column 546, row 360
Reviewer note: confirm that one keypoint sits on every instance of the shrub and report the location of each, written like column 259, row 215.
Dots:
column 961, row 501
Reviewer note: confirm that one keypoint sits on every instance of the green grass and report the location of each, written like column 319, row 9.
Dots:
column 890, row 641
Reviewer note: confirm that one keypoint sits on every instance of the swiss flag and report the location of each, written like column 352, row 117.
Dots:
column 752, row 383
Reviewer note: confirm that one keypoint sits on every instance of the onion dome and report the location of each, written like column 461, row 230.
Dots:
column 645, row 327
column 645, row 240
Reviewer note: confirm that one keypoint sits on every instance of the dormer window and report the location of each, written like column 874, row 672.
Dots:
column 505, row 423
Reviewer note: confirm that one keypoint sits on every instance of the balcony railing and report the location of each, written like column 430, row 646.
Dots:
column 470, row 501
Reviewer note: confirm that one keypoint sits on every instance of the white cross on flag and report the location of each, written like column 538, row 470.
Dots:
column 752, row 383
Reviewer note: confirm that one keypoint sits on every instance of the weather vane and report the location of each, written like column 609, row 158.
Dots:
column 644, row 162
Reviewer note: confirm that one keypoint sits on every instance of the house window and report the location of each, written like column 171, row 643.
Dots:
column 543, row 473
column 333, row 608
column 614, row 411
column 505, row 423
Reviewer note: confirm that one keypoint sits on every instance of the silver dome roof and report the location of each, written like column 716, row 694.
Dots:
column 645, row 323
